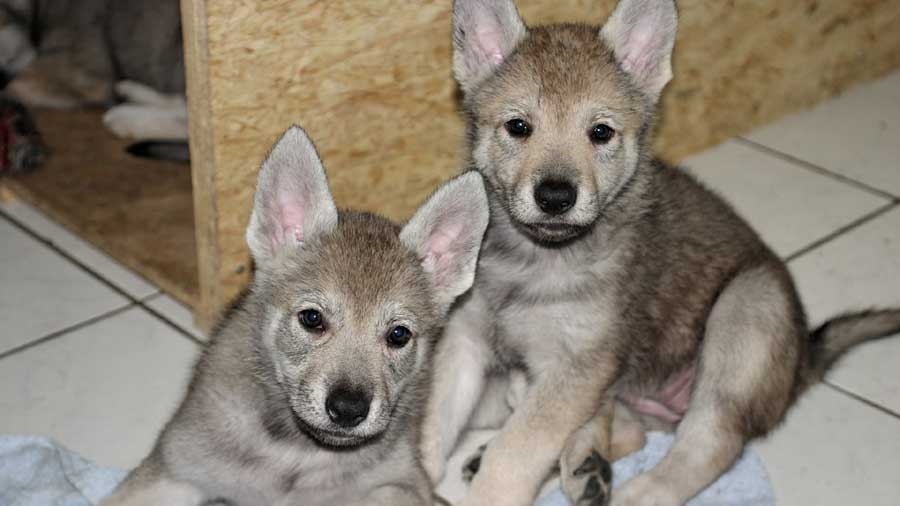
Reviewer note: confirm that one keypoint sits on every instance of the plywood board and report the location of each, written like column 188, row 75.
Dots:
column 371, row 83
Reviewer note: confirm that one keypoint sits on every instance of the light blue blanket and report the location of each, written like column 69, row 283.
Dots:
column 745, row 484
column 34, row 471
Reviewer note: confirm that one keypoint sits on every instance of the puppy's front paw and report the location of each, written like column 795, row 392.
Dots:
column 472, row 464
column 433, row 461
column 589, row 484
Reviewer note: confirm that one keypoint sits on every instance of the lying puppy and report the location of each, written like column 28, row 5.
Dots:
column 78, row 53
column 309, row 393
column 633, row 297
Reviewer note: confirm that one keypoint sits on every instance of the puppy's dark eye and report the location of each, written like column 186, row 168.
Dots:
column 398, row 337
column 601, row 134
column 311, row 319
column 518, row 128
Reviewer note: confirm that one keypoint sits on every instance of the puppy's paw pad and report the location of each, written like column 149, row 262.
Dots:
column 472, row 464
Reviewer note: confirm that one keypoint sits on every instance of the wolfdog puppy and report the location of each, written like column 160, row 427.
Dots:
column 629, row 295
column 309, row 392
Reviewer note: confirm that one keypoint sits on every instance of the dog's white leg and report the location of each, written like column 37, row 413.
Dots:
column 137, row 93
column 148, row 121
column 743, row 388
column 519, row 459
column 460, row 365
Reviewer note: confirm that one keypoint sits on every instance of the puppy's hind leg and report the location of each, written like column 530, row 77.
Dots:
column 745, row 379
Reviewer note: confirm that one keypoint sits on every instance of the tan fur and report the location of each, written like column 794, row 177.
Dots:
column 648, row 296
column 258, row 425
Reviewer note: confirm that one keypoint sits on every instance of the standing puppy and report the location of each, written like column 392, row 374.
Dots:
column 309, row 393
column 631, row 296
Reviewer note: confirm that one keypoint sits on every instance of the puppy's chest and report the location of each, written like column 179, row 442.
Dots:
column 544, row 311
column 287, row 476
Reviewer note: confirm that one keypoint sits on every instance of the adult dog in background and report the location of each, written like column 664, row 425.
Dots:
column 77, row 53
column 310, row 392
column 631, row 296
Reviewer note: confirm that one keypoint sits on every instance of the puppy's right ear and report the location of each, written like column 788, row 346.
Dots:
column 446, row 233
column 292, row 203
column 485, row 32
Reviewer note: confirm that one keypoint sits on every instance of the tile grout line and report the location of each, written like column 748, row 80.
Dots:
column 165, row 319
column 66, row 330
column 862, row 220
column 817, row 169
column 65, row 254
column 98, row 277
column 867, row 402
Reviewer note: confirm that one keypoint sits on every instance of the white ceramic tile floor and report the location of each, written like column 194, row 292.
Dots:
column 767, row 190
column 41, row 292
column 855, row 135
column 116, row 379
column 175, row 312
column 81, row 251
column 104, row 390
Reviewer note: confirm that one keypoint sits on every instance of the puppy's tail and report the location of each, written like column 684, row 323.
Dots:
column 836, row 336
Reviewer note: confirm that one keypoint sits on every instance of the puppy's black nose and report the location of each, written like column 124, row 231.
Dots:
column 555, row 197
column 347, row 408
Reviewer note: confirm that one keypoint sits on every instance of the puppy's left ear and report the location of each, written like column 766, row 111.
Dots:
column 446, row 234
column 641, row 33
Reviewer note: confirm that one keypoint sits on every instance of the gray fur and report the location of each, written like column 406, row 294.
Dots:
column 648, row 304
column 253, row 428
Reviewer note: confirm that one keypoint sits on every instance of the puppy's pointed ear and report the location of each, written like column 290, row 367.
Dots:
column 292, row 203
column 642, row 35
column 446, row 234
column 485, row 32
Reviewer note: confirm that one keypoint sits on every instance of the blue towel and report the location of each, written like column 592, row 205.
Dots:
column 745, row 484
column 34, row 471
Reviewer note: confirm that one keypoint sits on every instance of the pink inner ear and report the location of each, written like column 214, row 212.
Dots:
column 638, row 51
column 289, row 222
column 440, row 251
column 488, row 42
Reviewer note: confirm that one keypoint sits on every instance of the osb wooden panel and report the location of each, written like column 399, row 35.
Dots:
column 140, row 212
column 371, row 82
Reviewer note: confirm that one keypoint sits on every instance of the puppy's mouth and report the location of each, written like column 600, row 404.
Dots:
column 334, row 439
column 553, row 233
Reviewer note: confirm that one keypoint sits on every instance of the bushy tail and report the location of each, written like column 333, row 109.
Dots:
column 836, row 336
